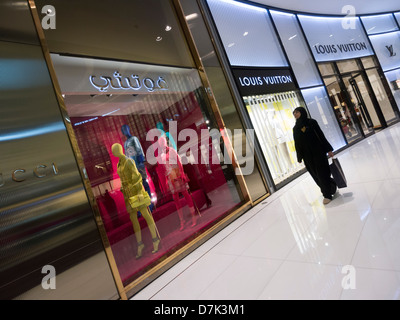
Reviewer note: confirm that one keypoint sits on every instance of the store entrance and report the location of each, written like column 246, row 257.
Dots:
column 358, row 96
column 361, row 103
column 345, row 112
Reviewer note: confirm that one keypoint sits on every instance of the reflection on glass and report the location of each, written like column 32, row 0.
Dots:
column 320, row 109
column 273, row 121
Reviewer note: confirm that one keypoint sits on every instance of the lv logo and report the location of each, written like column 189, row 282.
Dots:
column 390, row 49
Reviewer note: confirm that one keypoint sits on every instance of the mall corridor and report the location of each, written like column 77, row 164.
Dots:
column 291, row 246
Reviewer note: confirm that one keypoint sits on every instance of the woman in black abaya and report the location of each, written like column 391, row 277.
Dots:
column 312, row 147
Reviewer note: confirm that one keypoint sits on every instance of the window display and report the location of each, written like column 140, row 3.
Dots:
column 149, row 156
column 270, row 96
column 273, row 121
column 135, row 197
column 133, row 149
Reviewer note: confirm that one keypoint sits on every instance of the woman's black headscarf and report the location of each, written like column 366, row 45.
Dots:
column 304, row 116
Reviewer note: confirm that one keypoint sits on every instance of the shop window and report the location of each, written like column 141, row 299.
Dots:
column 393, row 77
column 273, row 121
column 153, row 156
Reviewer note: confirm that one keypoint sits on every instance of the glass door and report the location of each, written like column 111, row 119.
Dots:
column 362, row 103
column 344, row 110
column 382, row 92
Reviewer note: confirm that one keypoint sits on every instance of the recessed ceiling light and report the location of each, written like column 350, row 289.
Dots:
column 158, row 38
column 168, row 28
column 191, row 16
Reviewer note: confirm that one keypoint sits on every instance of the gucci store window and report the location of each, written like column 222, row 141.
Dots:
column 152, row 151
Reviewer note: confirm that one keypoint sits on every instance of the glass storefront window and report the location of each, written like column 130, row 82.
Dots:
column 152, row 154
column 393, row 78
column 320, row 109
column 381, row 95
column 358, row 95
column 273, row 121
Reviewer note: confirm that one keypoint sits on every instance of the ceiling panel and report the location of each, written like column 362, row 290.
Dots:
column 337, row 7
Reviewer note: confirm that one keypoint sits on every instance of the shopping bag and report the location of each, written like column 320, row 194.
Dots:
column 338, row 174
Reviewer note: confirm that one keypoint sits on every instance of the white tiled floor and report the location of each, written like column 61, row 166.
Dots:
column 291, row 246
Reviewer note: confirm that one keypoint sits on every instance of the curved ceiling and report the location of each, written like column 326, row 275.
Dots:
column 334, row 7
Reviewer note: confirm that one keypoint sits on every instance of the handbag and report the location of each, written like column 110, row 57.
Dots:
column 140, row 200
column 337, row 173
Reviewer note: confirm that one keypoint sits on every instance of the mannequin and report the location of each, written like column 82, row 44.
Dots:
column 133, row 149
column 281, row 146
column 197, row 174
column 136, row 198
column 175, row 178
column 166, row 135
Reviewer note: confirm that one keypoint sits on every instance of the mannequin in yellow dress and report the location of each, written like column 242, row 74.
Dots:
column 136, row 198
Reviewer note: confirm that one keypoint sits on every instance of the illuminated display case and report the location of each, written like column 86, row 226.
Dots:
column 270, row 96
column 272, row 118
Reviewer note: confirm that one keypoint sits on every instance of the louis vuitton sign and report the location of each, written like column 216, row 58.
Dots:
column 329, row 41
column 261, row 81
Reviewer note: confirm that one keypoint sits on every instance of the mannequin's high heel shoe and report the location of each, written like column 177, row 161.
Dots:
column 156, row 243
column 140, row 250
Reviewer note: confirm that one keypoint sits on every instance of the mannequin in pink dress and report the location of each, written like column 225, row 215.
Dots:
column 174, row 179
